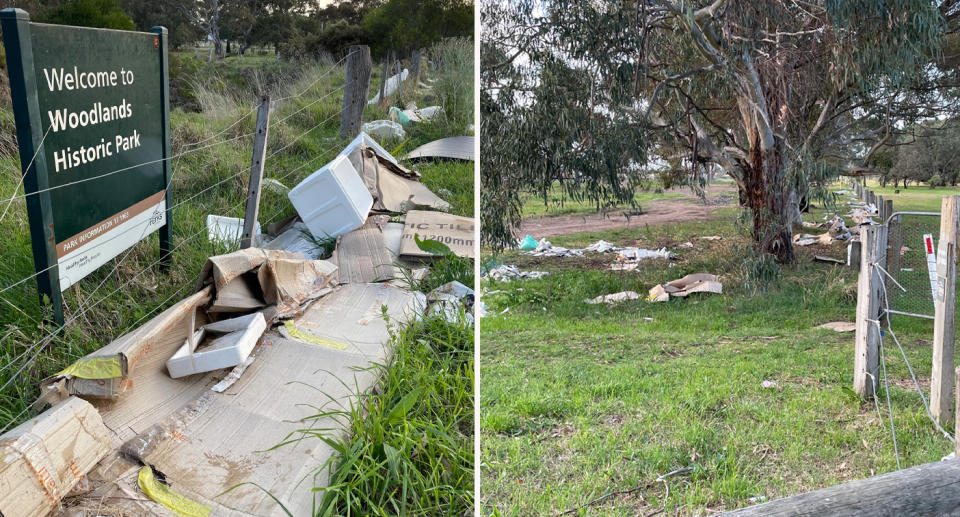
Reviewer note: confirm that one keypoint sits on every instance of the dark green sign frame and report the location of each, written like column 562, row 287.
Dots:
column 92, row 110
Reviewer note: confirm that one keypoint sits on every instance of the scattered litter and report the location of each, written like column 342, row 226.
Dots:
column 602, row 246
column 528, row 243
column 228, row 350
column 768, row 384
column 450, row 299
column 364, row 140
column 682, row 287
column 412, row 115
column 394, row 188
column 687, row 244
column 295, row 239
column 507, row 273
column 58, row 449
column 546, row 249
column 274, row 185
column 333, row 200
column 226, row 230
column 615, row 297
column 712, row 238
column 828, row 260
column 393, row 83
column 166, row 496
column 758, row 499
column 839, row 326
column 385, row 129
column 638, row 254
column 481, row 309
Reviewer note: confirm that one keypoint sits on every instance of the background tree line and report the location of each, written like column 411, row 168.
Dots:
column 294, row 28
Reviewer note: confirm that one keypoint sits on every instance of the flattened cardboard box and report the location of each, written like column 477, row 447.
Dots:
column 454, row 231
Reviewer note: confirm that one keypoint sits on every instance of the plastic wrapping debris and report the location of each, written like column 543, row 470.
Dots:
column 528, row 243
column 682, row 287
column 546, row 249
column 449, row 299
column 506, row 273
column 637, row 254
column 385, row 129
column 601, row 246
column 392, row 84
column 615, row 298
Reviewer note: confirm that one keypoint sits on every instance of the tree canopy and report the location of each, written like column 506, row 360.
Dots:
column 782, row 95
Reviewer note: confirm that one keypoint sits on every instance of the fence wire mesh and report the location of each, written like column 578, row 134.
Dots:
column 906, row 233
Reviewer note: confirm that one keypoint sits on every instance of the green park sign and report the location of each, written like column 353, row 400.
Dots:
column 92, row 116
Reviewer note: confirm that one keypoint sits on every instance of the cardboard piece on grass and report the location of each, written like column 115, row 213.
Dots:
column 353, row 315
column 226, row 351
column 839, row 326
column 454, row 231
column 118, row 364
column 614, row 298
column 47, row 457
column 682, row 287
column 362, row 257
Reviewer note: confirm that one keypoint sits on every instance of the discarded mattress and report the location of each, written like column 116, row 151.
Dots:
column 682, row 287
column 454, row 148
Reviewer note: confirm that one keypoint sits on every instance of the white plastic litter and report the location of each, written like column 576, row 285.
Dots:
column 367, row 140
column 392, row 84
column 601, row 246
column 638, row 254
column 507, row 273
column 333, row 200
column 226, row 230
column 224, row 352
column 545, row 249
column 384, row 129
column 615, row 298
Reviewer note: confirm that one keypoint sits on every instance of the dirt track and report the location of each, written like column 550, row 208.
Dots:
column 687, row 208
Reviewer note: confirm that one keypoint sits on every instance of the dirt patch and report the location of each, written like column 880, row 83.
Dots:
column 677, row 210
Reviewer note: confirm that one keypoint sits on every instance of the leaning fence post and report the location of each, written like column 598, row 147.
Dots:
column 866, row 346
column 941, row 380
column 356, row 90
column 256, row 173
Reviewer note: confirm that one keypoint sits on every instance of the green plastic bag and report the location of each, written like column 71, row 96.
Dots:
column 529, row 243
column 401, row 116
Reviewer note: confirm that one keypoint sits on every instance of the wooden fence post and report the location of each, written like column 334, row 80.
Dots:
column 416, row 60
column 256, row 173
column 356, row 90
column 941, row 379
column 866, row 346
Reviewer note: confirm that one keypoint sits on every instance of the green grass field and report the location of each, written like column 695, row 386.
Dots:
column 304, row 135
column 559, row 204
column 577, row 400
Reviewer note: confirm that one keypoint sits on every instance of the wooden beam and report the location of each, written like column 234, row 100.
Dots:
column 941, row 378
column 928, row 489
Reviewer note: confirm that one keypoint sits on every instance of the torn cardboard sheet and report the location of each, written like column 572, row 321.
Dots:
column 394, row 188
column 353, row 315
column 108, row 372
column 682, row 287
column 252, row 278
column 454, row 231
column 362, row 256
column 47, row 457
column 839, row 326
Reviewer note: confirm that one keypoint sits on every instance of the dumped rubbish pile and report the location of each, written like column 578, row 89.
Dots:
column 627, row 258
column 614, row 298
column 174, row 415
column 507, row 273
column 836, row 231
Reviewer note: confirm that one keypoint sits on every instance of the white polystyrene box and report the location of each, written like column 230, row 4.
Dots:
column 367, row 140
column 333, row 200
column 224, row 352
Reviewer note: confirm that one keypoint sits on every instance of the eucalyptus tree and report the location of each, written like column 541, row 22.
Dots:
column 779, row 93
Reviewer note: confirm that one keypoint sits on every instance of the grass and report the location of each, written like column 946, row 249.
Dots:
column 579, row 400
column 128, row 290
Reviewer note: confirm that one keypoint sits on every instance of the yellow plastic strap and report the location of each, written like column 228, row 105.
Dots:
column 296, row 333
column 162, row 494
column 95, row 368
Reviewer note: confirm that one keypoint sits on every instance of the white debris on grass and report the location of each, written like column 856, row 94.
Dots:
column 507, row 273
column 615, row 298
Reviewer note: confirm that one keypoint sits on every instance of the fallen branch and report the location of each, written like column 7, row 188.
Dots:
column 644, row 486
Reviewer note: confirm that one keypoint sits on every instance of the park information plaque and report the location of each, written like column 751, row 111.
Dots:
column 91, row 108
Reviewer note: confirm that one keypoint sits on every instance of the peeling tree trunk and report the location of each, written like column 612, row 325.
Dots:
column 768, row 199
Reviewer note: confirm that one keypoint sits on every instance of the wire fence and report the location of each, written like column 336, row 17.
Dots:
column 25, row 344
